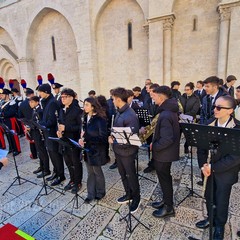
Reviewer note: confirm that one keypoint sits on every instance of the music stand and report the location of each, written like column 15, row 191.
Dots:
column 71, row 144
column 123, row 135
column 223, row 140
column 10, row 136
column 143, row 116
column 45, row 185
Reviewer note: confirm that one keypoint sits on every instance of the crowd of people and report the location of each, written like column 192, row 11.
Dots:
column 60, row 116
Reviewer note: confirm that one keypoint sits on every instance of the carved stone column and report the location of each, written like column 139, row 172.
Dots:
column 225, row 16
column 26, row 70
column 167, row 49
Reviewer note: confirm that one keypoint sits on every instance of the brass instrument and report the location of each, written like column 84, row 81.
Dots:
column 149, row 130
column 180, row 106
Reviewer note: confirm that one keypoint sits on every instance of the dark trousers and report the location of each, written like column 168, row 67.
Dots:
column 149, row 141
column 163, row 170
column 221, row 195
column 33, row 150
column 57, row 161
column 95, row 182
column 72, row 160
column 202, row 155
column 127, row 170
column 41, row 150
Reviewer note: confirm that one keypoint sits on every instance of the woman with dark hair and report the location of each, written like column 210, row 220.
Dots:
column 190, row 104
column 94, row 138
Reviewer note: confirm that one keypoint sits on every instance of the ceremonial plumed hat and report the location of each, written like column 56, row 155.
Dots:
column 5, row 91
column 56, row 85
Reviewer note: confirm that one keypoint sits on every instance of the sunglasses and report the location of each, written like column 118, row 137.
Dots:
column 219, row 107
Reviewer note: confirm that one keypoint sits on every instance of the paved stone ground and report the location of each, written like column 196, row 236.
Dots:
column 50, row 218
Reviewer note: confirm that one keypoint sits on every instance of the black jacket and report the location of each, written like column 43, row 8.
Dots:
column 71, row 118
column 226, row 166
column 200, row 95
column 24, row 110
column 176, row 94
column 229, row 90
column 207, row 114
column 165, row 144
column 96, row 138
column 49, row 120
column 190, row 104
column 126, row 117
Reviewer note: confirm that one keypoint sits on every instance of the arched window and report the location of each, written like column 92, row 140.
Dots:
column 130, row 35
column 53, row 49
column 195, row 23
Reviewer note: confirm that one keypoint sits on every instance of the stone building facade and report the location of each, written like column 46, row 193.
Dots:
column 101, row 44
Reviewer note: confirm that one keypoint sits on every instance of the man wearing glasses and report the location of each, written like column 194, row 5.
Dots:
column 225, row 168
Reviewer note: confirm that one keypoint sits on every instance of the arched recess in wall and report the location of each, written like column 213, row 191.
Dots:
column 52, row 46
column 194, row 55
column 119, row 65
column 8, row 57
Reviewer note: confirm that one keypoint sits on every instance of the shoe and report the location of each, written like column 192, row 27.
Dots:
column 157, row 205
column 57, row 181
column 218, row 233
column 37, row 171
column 54, row 175
column 134, row 205
column 99, row 198
column 113, row 166
column 43, row 174
column 87, row 200
column 124, row 199
column 203, row 224
column 76, row 188
column 32, row 157
column 164, row 211
column 148, row 169
column 200, row 183
column 238, row 233
column 69, row 186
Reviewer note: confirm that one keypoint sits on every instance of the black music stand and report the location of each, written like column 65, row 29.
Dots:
column 143, row 116
column 215, row 139
column 41, row 128
column 71, row 144
column 10, row 136
column 125, row 137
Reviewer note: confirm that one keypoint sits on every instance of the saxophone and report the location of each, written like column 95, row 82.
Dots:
column 149, row 130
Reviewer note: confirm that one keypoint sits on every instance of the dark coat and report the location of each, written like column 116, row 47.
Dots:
column 229, row 90
column 165, row 143
column 71, row 118
column 24, row 110
column 226, row 167
column 8, row 112
column 151, row 107
column 96, row 138
column 200, row 95
column 190, row 104
column 49, row 120
column 207, row 113
column 176, row 94
column 126, row 117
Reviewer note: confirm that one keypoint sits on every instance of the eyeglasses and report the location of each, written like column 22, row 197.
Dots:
column 64, row 96
column 219, row 107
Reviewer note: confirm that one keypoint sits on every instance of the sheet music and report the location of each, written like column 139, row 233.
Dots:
column 118, row 134
column 3, row 153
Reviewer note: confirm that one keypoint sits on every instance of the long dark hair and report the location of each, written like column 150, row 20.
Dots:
column 97, row 108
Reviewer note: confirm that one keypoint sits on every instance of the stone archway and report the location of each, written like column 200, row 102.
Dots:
column 119, row 65
column 195, row 48
column 8, row 57
column 47, row 29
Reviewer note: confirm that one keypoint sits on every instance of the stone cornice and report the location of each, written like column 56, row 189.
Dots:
column 161, row 18
column 168, row 23
column 19, row 60
column 146, row 29
column 224, row 10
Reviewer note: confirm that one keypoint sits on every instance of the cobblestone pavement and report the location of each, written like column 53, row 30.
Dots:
column 53, row 216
